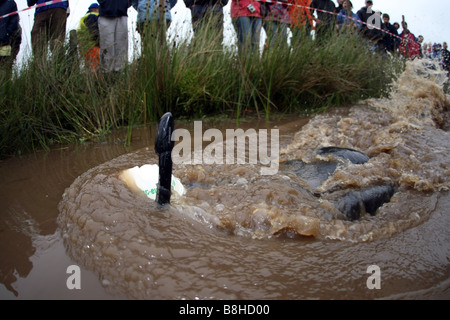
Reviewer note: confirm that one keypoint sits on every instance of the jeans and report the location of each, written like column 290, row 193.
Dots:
column 248, row 31
column 206, row 17
column 277, row 33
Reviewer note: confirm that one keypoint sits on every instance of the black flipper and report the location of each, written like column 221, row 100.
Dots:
column 163, row 148
column 353, row 156
column 375, row 197
column 354, row 203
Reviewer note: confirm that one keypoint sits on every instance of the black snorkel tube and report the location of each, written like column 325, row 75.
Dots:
column 163, row 148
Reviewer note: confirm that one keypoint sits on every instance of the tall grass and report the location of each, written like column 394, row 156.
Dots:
column 57, row 100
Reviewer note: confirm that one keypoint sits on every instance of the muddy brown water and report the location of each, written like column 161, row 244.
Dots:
column 237, row 234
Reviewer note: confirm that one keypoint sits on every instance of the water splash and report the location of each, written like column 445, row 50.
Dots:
column 148, row 253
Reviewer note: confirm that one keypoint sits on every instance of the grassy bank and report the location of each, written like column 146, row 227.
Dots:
column 57, row 100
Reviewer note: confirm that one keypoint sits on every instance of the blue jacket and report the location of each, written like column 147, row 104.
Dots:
column 114, row 8
column 63, row 5
column 9, row 25
column 343, row 18
column 146, row 9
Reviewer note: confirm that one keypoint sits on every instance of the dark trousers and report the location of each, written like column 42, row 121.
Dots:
column 6, row 64
column 152, row 30
column 49, row 28
column 208, row 18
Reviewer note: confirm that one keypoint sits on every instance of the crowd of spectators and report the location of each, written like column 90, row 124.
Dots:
column 303, row 18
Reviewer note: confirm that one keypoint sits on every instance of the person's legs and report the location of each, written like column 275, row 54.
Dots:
column 271, row 29
column 248, row 31
column 39, row 33
column 256, row 26
column 92, row 58
column 6, row 66
column 121, row 43
column 300, row 34
column 216, row 23
column 282, row 32
column 242, row 26
column 197, row 17
column 107, row 43
column 57, row 27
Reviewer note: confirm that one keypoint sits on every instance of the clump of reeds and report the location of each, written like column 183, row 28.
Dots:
column 57, row 100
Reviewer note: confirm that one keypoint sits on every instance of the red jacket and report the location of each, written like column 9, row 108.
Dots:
column 239, row 8
column 300, row 14
column 409, row 47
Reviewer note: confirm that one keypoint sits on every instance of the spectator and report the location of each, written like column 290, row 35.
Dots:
column 340, row 6
column 49, row 26
column 302, row 21
column 276, row 23
column 446, row 57
column 398, row 40
column 113, row 30
column 436, row 53
column 207, row 15
column 9, row 27
column 247, row 21
column 390, row 35
column 150, row 11
column 365, row 12
column 371, row 19
column 89, row 39
column 409, row 47
column 345, row 19
column 420, row 42
column 324, row 21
